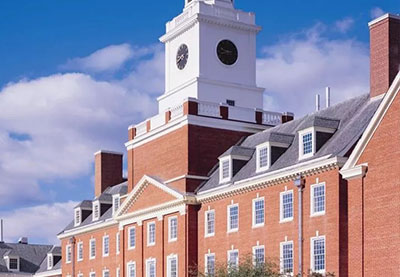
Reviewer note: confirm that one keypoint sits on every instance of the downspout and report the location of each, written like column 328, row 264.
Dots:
column 72, row 240
column 299, row 183
column 122, row 250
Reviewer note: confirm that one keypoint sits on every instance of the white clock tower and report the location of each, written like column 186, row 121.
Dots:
column 210, row 55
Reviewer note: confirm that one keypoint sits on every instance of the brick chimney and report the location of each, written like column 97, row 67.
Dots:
column 385, row 52
column 108, row 170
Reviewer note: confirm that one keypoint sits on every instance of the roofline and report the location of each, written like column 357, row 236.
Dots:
column 48, row 273
column 108, row 152
column 383, row 17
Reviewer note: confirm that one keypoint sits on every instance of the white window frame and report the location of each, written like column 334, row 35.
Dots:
column 130, row 247
column 106, row 238
column 312, row 204
column 258, row 150
column 68, row 254
column 114, row 209
column 117, row 243
column 169, row 259
column 206, row 234
column 79, row 246
column 289, row 219
column 254, row 224
column 50, row 261
column 104, row 272
column 118, row 272
column 282, row 244
column 254, row 253
column 229, row 252
column 8, row 261
column 313, row 131
column 131, row 263
column 312, row 265
column 221, row 169
column 206, row 262
column 96, row 204
column 79, row 275
column 148, row 233
column 91, row 257
column 92, row 274
column 170, row 238
column 148, row 261
column 229, row 229
column 77, row 217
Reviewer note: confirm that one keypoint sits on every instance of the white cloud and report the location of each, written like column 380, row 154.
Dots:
column 40, row 224
column 295, row 69
column 344, row 25
column 376, row 12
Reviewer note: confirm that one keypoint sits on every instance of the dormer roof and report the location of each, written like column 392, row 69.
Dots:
column 85, row 205
column 320, row 121
column 281, row 138
column 104, row 198
column 239, row 152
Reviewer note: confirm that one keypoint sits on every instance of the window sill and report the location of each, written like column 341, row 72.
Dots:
column 92, row 258
column 173, row 240
column 131, row 248
column 286, row 220
column 317, row 214
column 209, row 235
column 258, row 226
column 151, row 244
column 233, row 231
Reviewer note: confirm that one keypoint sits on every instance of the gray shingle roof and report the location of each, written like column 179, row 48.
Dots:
column 56, row 250
column 238, row 151
column 353, row 115
column 85, row 204
column 279, row 137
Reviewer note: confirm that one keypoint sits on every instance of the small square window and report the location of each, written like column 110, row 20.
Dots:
column 286, row 204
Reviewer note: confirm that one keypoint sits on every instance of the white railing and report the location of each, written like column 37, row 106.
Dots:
column 209, row 109
column 157, row 121
column 242, row 114
column 271, row 118
column 141, row 128
column 176, row 112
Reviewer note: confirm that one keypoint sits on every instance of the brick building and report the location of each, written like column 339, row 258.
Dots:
column 213, row 178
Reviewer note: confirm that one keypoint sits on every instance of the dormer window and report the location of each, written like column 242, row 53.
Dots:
column 49, row 261
column 307, row 143
column 78, row 217
column 12, row 263
column 225, row 169
column 96, row 210
column 263, row 157
column 116, row 202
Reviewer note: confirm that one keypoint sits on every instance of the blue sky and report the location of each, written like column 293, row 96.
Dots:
column 74, row 74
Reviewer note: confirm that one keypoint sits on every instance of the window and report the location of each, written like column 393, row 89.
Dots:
column 118, row 272
column 68, row 251
column 92, row 274
column 151, row 233
column 131, row 269
column 230, row 102
column 318, row 199
column 49, row 261
column 225, row 170
column 78, row 217
column 318, row 254
column 172, row 266
column 209, row 223
column 233, row 259
column 96, row 210
column 233, row 218
column 263, row 159
column 80, row 275
column 172, row 228
column 92, row 244
column 132, row 238
column 286, row 206
column 106, row 246
column 287, row 257
column 259, row 255
column 116, row 203
column 210, row 264
column 117, row 243
column 258, row 212
column 13, row 264
column 151, row 268
column 106, row 273
column 306, row 143
column 79, row 251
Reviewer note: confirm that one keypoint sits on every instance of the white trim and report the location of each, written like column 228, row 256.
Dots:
column 104, row 272
column 302, row 134
column 387, row 15
column 108, row 152
column 373, row 124
column 78, row 245
column 148, row 268
column 129, row 238
column 312, row 254
column 228, row 221
column 258, row 149
column 254, row 252
column 118, row 243
column 356, row 172
column 118, row 272
column 116, row 196
column 221, row 169
column 169, row 258
column 96, row 204
column 104, row 248
column 206, row 261
column 229, row 255
column 87, row 228
column 91, row 257
column 254, row 224
column 127, row 268
column 148, row 233
column 206, row 234
column 92, row 274
column 170, row 239
column 289, row 219
column 68, row 253
column 281, row 257
column 312, row 213
column 195, row 177
column 50, row 261
column 49, row 273
column 77, row 222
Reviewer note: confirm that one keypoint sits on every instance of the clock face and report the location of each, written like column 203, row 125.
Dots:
column 182, row 56
column 227, row 52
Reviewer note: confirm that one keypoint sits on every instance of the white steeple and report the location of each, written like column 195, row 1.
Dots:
column 221, row 3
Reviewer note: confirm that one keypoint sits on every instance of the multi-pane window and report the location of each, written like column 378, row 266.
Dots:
column 132, row 238
column 77, row 217
column 318, row 254
column 117, row 243
column 106, row 273
column 116, row 203
column 287, row 257
column 151, row 233
column 13, row 263
column 233, row 259
column 173, row 228
column 210, row 264
column 286, row 205
column 49, row 261
column 96, row 211
column 259, row 255
column 118, row 272
column 68, row 250
column 233, row 218
column 92, row 244
column 210, row 223
column 258, row 212
column 131, row 270
column 307, row 143
column 106, row 245
column 151, row 268
column 92, row 274
column 225, row 170
column 79, row 251
column 318, row 199
column 263, row 157
column 172, row 266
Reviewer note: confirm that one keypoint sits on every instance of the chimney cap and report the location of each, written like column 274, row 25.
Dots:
column 23, row 240
column 387, row 15
column 108, row 152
